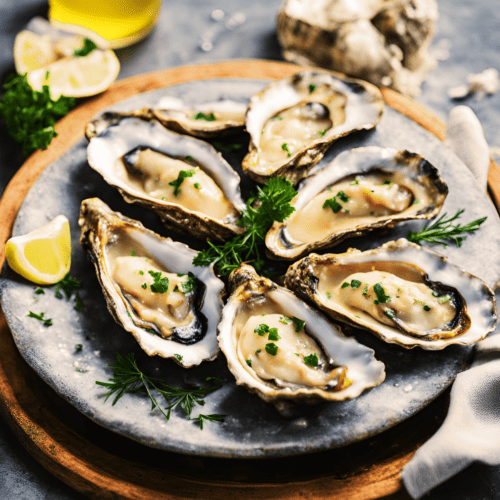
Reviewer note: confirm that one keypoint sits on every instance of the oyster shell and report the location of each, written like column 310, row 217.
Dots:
column 293, row 121
column 379, row 187
column 403, row 293
column 293, row 363
column 206, row 121
column 179, row 323
column 140, row 158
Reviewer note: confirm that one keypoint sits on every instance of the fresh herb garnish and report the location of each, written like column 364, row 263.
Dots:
column 144, row 286
column 127, row 377
column 343, row 197
column 333, row 204
column 311, row 360
column 271, row 348
column 354, row 182
column 273, row 334
column 285, row 320
column 284, row 147
column 312, row 87
column 345, row 284
column 69, row 285
column 389, row 313
column 322, row 132
column 443, row 230
column 189, row 158
column 427, row 308
column 189, row 285
column 444, row 298
column 380, row 293
column 30, row 115
column 299, row 324
column 365, row 291
column 210, row 117
column 389, row 183
column 262, row 329
column 197, row 185
column 249, row 362
column 211, row 418
column 355, row 284
column 275, row 197
column 40, row 317
column 82, row 370
column 228, row 148
column 39, row 291
column 88, row 47
column 78, row 347
column 160, row 284
column 178, row 357
column 180, row 179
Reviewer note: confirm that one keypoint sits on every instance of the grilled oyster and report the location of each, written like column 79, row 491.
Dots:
column 206, row 121
column 151, row 287
column 293, row 121
column 284, row 351
column 359, row 191
column 401, row 292
column 184, row 180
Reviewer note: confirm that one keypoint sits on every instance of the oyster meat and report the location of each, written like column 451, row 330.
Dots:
column 403, row 293
column 151, row 287
column 293, row 121
column 284, row 351
column 184, row 180
column 360, row 190
column 206, row 121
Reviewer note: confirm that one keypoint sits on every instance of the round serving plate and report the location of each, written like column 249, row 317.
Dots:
column 111, row 464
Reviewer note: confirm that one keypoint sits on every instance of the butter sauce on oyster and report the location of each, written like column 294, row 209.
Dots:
column 184, row 180
column 293, row 121
column 360, row 190
column 286, row 352
column 151, row 287
column 401, row 292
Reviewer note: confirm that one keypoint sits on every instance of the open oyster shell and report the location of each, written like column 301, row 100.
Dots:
column 293, row 121
column 106, row 154
column 321, row 279
column 107, row 236
column 413, row 187
column 206, row 121
column 257, row 299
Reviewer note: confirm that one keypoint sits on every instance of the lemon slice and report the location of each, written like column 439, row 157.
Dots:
column 32, row 51
column 77, row 76
column 44, row 255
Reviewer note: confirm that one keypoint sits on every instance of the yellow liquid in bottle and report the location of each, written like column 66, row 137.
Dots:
column 121, row 22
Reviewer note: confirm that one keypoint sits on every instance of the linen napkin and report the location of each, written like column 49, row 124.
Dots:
column 471, row 430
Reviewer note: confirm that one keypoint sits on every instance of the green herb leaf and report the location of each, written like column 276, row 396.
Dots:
column 427, row 308
column 355, row 182
column 249, row 362
column 333, row 204
column 443, row 230
column 273, row 334
column 78, row 347
column 88, row 47
column 271, row 348
column 355, row 284
column 388, row 182
column 180, row 179
column 389, row 313
column 39, row 291
column 30, row 115
column 189, row 158
column 345, row 284
column 262, row 329
column 40, row 317
column 311, row 360
column 189, row 285
column 299, row 324
column 144, row 286
column 284, row 147
column 210, row 117
column 69, row 285
column 380, row 293
column 210, row 418
column 178, row 357
column 312, row 87
column 197, row 185
column 343, row 197
column 160, row 284
column 322, row 132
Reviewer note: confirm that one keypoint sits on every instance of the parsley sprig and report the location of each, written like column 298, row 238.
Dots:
column 127, row 377
column 69, row 285
column 88, row 47
column 275, row 197
column 443, row 230
column 30, row 115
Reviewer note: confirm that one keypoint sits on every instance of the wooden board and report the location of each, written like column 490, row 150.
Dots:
column 100, row 464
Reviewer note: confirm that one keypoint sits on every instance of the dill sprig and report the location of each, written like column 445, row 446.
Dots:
column 443, row 230
column 275, row 197
column 127, row 377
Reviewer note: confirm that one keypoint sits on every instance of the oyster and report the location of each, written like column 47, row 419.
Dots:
column 403, row 293
column 284, row 351
column 206, row 121
column 360, row 190
column 182, row 179
column 151, row 287
column 293, row 121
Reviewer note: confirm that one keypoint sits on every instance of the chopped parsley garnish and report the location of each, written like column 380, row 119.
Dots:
column 189, row 158
column 88, row 47
column 284, row 147
column 443, row 230
column 82, row 370
column 189, row 285
column 275, row 197
column 328, row 295
column 40, row 317
column 299, row 324
column 322, row 132
column 69, row 285
column 435, row 294
column 365, row 291
column 311, row 360
column 160, row 284
column 273, row 334
column 271, row 348
column 178, row 357
column 343, row 197
column 345, row 284
column 197, row 185
column 380, row 293
column 39, row 291
column 150, row 330
column 415, row 202
column 249, row 362
column 228, row 148
column 354, row 182
column 78, row 347
column 258, row 350
column 389, row 313
column 262, row 329
column 444, row 298
column 312, row 87
column 333, row 204
column 355, row 284
column 30, row 115
column 180, row 179
column 141, row 273
column 144, row 286
column 132, row 253
column 127, row 377
column 427, row 308
column 285, row 320
column 389, row 183
column 210, row 117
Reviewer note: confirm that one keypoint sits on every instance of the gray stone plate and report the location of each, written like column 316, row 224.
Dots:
column 251, row 428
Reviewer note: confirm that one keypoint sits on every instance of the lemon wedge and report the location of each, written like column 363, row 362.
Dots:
column 32, row 51
column 43, row 255
column 77, row 76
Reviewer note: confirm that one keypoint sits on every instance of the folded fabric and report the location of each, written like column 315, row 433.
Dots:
column 471, row 430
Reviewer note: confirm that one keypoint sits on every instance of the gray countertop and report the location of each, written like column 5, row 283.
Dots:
column 467, row 41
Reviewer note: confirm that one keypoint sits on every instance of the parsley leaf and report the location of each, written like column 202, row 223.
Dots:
column 299, row 324
column 160, row 284
column 311, row 360
column 189, row 285
column 40, row 317
column 88, row 47
column 30, row 115
column 180, row 179
column 210, row 117
column 275, row 197
column 69, row 285
column 380, row 293
column 333, row 204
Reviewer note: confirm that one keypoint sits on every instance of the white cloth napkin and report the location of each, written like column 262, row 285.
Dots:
column 471, row 430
